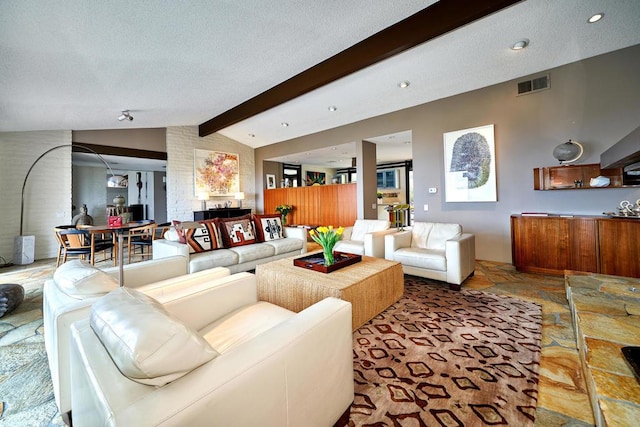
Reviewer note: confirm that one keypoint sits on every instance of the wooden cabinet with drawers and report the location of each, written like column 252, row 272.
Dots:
column 552, row 244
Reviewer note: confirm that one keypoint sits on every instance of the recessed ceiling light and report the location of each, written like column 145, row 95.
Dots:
column 595, row 18
column 521, row 44
column 284, row 124
column 333, row 148
column 404, row 84
column 333, row 108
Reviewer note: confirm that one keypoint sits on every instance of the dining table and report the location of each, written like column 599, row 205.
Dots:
column 117, row 232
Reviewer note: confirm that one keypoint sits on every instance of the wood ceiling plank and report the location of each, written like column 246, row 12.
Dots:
column 440, row 18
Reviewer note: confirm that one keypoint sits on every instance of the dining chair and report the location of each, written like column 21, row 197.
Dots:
column 81, row 243
column 142, row 237
column 60, row 242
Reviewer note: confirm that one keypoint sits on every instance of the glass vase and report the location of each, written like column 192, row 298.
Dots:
column 328, row 256
column 284, row 220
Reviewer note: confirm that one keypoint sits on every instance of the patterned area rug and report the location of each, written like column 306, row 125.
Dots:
column 448, row 358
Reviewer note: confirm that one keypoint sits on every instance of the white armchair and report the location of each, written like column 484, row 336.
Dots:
column 434, row 250
column 216, row 358
column 75, row 286
column 365, row 237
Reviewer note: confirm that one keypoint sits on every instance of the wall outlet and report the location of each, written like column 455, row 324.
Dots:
column 374, row 206
column 433, row 190
column 426, row 207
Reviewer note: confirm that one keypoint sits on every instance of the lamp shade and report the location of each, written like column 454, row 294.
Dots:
column 239, row 197
column 203, row 196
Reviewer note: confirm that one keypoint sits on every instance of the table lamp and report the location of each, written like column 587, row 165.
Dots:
column 203, row 196
column 239, row 197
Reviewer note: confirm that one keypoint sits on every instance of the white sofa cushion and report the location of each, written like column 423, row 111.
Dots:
column 253, row 252
column 81, row 280
column 144, row 341
column 432, row 235
column 350, row 246
column 364, row 226
column 244, row 324
column 286, row 245
column 440, row 233
column 421, row 258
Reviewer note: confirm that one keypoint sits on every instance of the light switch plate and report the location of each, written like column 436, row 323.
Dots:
column 426, row 207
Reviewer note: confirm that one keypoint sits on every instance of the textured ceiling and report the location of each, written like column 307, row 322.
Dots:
column 75, row 65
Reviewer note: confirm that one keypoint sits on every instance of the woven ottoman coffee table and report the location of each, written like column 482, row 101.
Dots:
column 370, row 285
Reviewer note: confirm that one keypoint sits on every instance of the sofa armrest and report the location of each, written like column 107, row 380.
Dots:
column 163, row 248
column 395, row 241
column 198, row 305
column 151, row 271
column 272, row 371
column 461, row 257
column 374, row 242
column 297, row 233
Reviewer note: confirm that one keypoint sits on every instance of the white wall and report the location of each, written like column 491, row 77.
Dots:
column 90, row 188
column 47, row 193
column 181, row 142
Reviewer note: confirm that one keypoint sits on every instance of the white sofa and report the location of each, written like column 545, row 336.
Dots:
column 216, row 358
column 365, row 237
column 76, row 285
column 434, row 250
column 236, row 259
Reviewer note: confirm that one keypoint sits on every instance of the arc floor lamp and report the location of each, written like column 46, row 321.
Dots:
column 24, row 246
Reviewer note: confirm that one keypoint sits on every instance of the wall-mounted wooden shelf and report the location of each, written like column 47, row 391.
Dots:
column 573, row 177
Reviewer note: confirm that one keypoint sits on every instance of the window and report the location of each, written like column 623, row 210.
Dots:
column 387, row 178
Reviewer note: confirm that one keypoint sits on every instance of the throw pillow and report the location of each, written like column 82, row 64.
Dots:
column 81, row 280
column 146, row 344
column 179, row 230
column 237, row 231
column 204, row 238
column 268, row 227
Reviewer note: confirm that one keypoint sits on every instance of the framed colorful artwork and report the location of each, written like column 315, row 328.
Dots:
column 315, row 178
column 216, row 172
column 470, row 165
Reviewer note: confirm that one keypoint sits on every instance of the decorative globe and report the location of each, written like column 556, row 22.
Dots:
column 568, row 152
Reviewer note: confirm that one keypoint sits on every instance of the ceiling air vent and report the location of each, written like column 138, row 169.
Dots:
column 533, row 85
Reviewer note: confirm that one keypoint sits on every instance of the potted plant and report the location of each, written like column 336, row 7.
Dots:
column 284, row 211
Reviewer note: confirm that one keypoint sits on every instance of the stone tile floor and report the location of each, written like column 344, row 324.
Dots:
column 26, row 393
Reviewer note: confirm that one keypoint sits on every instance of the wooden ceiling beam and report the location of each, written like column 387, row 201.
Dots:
column 438, row 19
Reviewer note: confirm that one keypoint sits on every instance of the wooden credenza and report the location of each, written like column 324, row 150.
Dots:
column 220, row 213
column 552, row 244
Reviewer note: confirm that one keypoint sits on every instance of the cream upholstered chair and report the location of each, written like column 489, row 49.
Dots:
column 218, row 357
column 365, row 237
column 76, row 285
column 434, row 250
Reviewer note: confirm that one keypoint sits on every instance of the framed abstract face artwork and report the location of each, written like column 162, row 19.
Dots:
column 470, row 165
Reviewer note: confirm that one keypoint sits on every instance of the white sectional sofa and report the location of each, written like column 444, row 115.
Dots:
column 218, row 357
column 434, row 250
column 76, row 286
column 292, row 241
